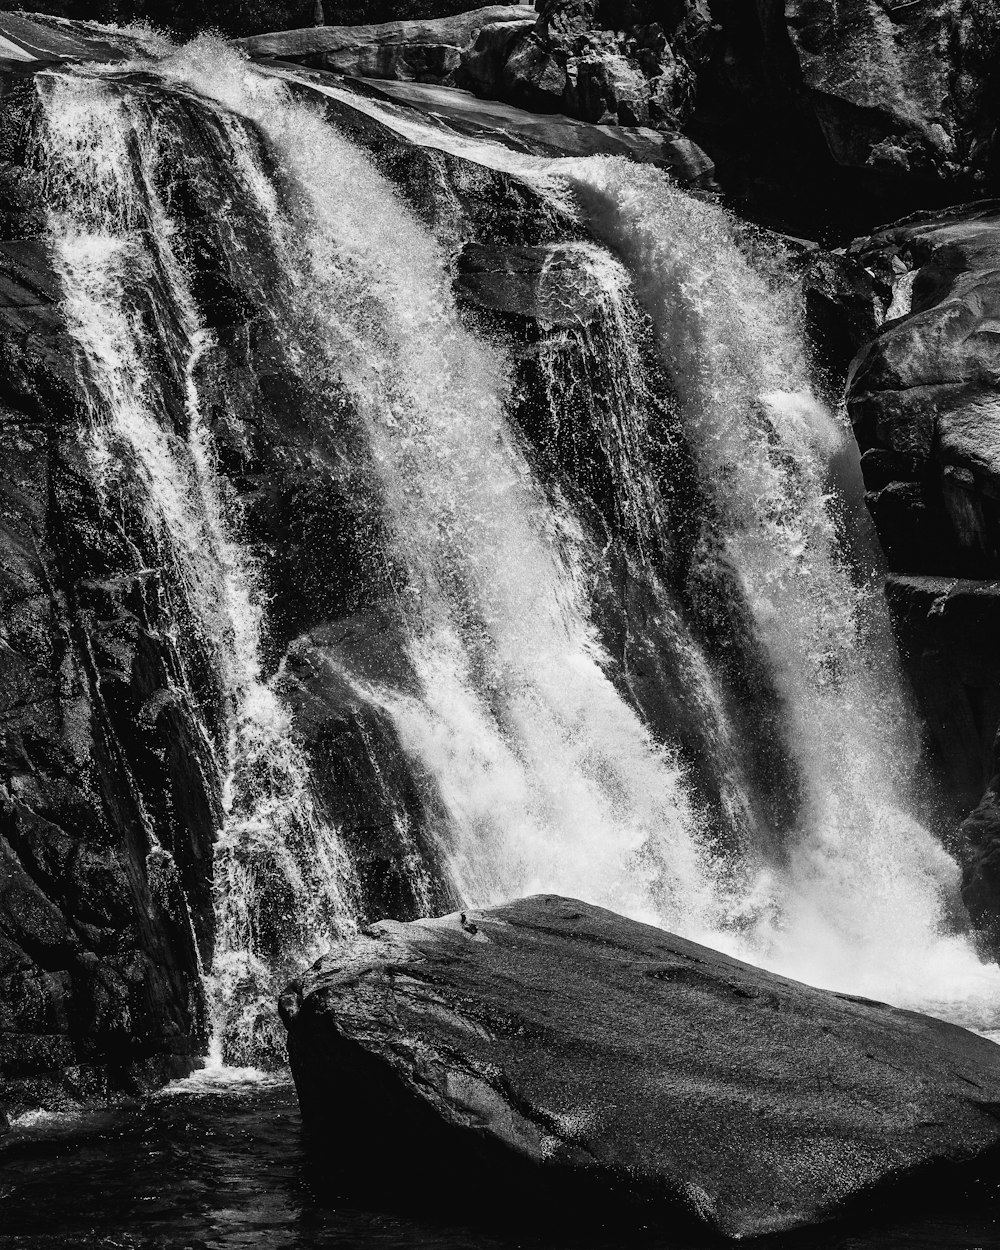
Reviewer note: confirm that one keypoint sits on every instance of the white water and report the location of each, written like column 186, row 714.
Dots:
column 548, row 780
column 862, row 902
column 104, row 159
column 610, row 344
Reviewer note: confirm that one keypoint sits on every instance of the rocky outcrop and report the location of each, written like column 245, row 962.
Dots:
column 947, row 628
column 843, row 307
column 827, row 118
column 481, row 50
column 427, row 51
column 804, row 106
column 548, row 134
column 38, row 38
column 820, row 118
column 899, row 87
column 555, row 1047
column 924, row 396
column 588, row 61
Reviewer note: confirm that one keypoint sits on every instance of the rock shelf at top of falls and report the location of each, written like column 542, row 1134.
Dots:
column 558, row 1046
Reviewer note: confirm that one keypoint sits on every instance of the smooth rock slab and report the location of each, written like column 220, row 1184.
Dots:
column 553, row 1040
column 428, row 51
column 551, row 135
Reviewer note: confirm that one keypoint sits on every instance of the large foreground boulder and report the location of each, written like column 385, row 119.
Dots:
column 555, row 1043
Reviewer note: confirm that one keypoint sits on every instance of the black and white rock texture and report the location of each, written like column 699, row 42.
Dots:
column 551, row 1043
column 107, row 805
column 924, row 399
column 819, row 117
column 924, row 396
column 110, row 799
column 425, row 51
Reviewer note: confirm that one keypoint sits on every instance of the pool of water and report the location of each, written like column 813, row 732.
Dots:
column 212, row 1164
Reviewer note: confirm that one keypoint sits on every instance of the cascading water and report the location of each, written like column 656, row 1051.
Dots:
column 112, row 235
column 861, row 900
column 548, row 780
column 540, row 774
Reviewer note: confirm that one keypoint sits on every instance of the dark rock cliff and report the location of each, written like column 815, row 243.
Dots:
column 109, row 800
column 819, row 117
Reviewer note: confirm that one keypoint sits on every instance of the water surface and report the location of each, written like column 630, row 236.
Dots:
column 210, row 1165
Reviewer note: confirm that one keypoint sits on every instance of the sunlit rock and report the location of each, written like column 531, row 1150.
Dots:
column 428, row 51
column 926, row 392
column 899, row 87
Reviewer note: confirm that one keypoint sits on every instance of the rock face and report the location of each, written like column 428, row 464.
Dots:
column 549, row 134
column 427, row 51
column 602, row 64
column 924, row 395
column 107, row 800
column 821, row 118
column 803, row 105
column 553, row 1041
column 924, row 398
column 36, row 37
column 947, row 629
column 899, row 87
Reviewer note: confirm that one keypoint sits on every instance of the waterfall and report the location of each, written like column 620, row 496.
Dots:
column 547, row 779
column 537, row 771
column 861, row 899
column 279, row 866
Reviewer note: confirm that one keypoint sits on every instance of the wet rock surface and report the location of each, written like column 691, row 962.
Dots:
column 37, row 37
column 924, row 395
column 947, row 628
column 923, row 399
column 821, row 119
column 555, row 1044
column 548, row 134
column 108, row 807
